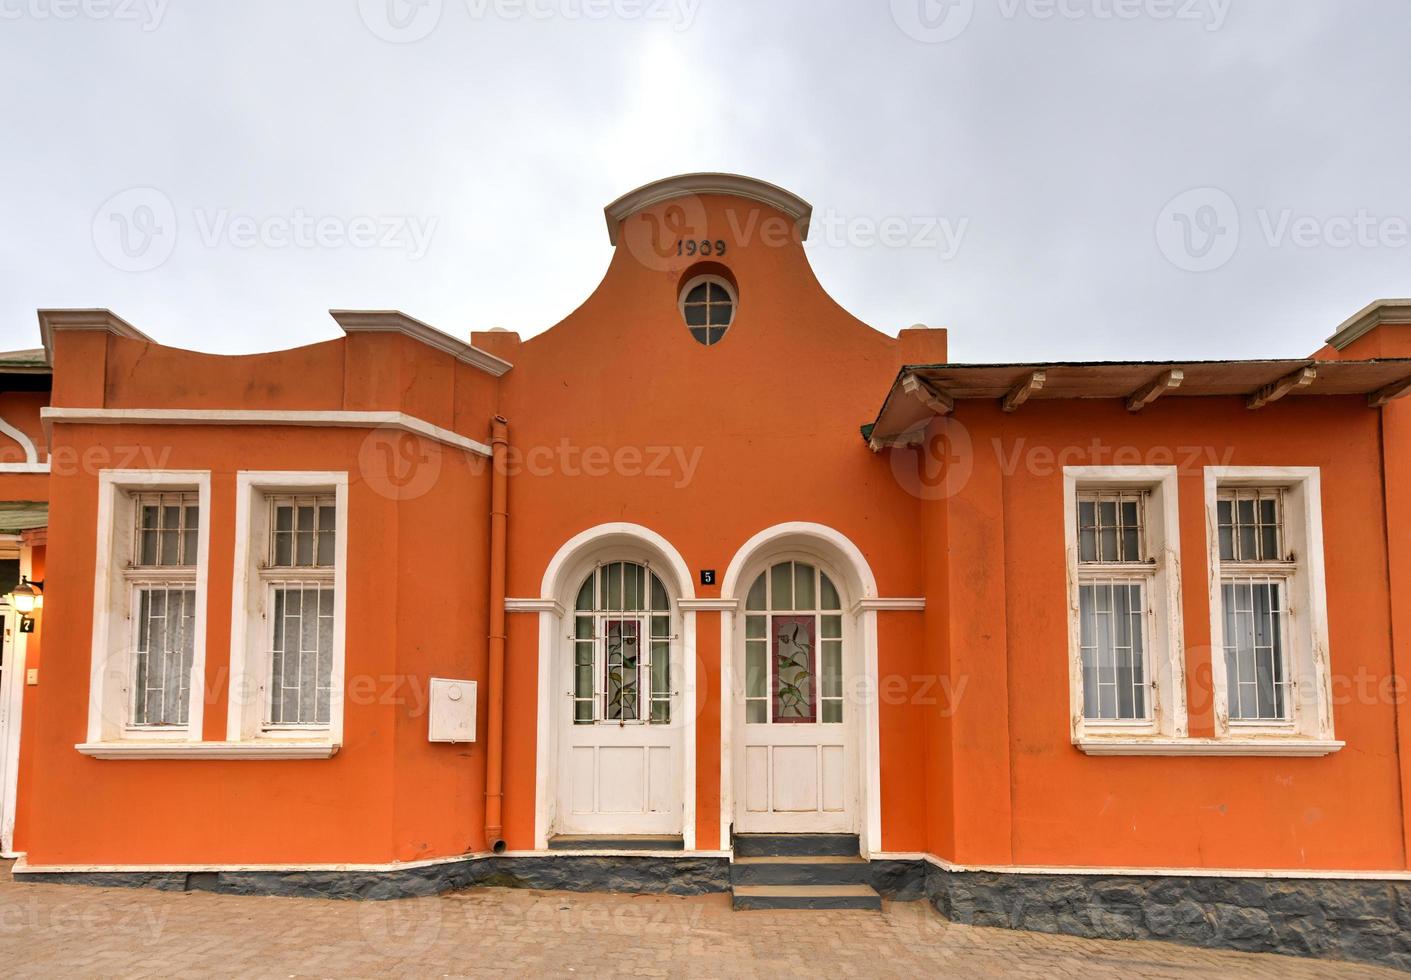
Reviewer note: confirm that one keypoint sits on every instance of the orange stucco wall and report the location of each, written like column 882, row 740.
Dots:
column 617, row 414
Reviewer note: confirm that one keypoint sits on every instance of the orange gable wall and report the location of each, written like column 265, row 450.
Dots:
column 770, row 414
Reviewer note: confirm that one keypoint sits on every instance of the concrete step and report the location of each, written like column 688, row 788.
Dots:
column 617, row 842
column 796, row 845
column 810, row 870
column 755, row 897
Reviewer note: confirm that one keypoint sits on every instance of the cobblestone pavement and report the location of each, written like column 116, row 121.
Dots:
column 71, row 930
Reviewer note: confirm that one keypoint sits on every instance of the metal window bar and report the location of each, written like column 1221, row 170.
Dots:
column 165, row 528
column 302, row 530
column 164, row 619
column 1256, row 648
column 1112, row 526
column 300, row 653
column 1250, row 524
column 1113, row 637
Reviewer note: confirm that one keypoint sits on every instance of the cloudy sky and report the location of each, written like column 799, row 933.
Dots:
column 1048, row 178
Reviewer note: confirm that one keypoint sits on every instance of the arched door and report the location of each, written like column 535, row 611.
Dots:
column 796, row 765
column 619, row 743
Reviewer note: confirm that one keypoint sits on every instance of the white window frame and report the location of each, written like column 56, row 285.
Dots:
column 1306, row 643
column 250, row 627
column 1165, row 633
column 111, row 669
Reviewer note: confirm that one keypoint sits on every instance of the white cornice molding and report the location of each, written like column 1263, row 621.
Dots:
column 889, row 605
column 51, row 321
column 1373, row 315
column 207, row 750
column 534, row 606
column 708, row 605
column 1258, row 746
column 395, row 321
column 686, row 185
column 240, row 416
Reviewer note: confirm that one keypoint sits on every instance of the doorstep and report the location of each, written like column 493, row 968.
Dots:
column 616, row 842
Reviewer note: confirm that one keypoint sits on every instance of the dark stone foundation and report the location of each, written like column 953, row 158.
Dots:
column 1359, row 920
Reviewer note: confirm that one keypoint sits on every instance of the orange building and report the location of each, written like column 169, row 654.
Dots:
column 1110, row 649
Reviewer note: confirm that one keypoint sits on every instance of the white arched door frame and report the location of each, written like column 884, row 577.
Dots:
column 845, row 560
column 564, row 574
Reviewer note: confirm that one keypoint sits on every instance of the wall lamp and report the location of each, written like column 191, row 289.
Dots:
column 25, row 599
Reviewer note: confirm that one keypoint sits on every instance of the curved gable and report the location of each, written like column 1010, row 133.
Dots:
column 729, row 185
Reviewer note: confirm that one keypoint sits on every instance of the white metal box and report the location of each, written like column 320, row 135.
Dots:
column 452, row 711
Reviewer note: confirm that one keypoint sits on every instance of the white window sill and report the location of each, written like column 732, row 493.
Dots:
column 1267, row 745
column 154, row 749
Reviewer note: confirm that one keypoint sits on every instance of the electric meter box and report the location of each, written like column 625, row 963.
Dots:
column 452, row 711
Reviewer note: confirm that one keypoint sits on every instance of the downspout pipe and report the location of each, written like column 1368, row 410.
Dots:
column 495, row 711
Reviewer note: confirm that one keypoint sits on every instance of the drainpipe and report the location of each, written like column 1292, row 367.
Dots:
column 495, row 722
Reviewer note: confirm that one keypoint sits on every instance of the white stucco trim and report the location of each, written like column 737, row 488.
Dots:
column 555, row 592
column 26, row 444
column 533, row 605
column 12, row 692
column 861, row 586
column 259, row 750
column 694, row 185
column 245, row 707
column 709, row 605
column 1123, row 871
column 241, row 416
column 395, row 321
column 107, row 720
column 890, row 605
column 1268, row 746
column 1309, row 656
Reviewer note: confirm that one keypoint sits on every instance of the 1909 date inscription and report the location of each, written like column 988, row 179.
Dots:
column 690, row 246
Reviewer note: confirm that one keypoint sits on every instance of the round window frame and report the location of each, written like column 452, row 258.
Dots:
column 723, row 283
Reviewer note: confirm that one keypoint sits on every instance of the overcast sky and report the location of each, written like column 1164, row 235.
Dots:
column 1048, row 178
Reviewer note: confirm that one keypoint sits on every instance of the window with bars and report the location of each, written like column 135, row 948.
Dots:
column 622, row 647
column 1114, row 579
column 1255, row 576
column 161, row 582
column 299, row 587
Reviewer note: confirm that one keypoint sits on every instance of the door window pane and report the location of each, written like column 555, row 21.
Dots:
column 793, row 670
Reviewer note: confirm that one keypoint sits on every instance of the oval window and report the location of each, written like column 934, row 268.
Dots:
column 708, row 306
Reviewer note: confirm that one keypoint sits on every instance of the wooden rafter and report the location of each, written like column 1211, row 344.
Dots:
column 937, row 401
column 914, row 436
column 1391, row 392
column 1169, row 381
column 1301, row 378
column 1020, row 393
